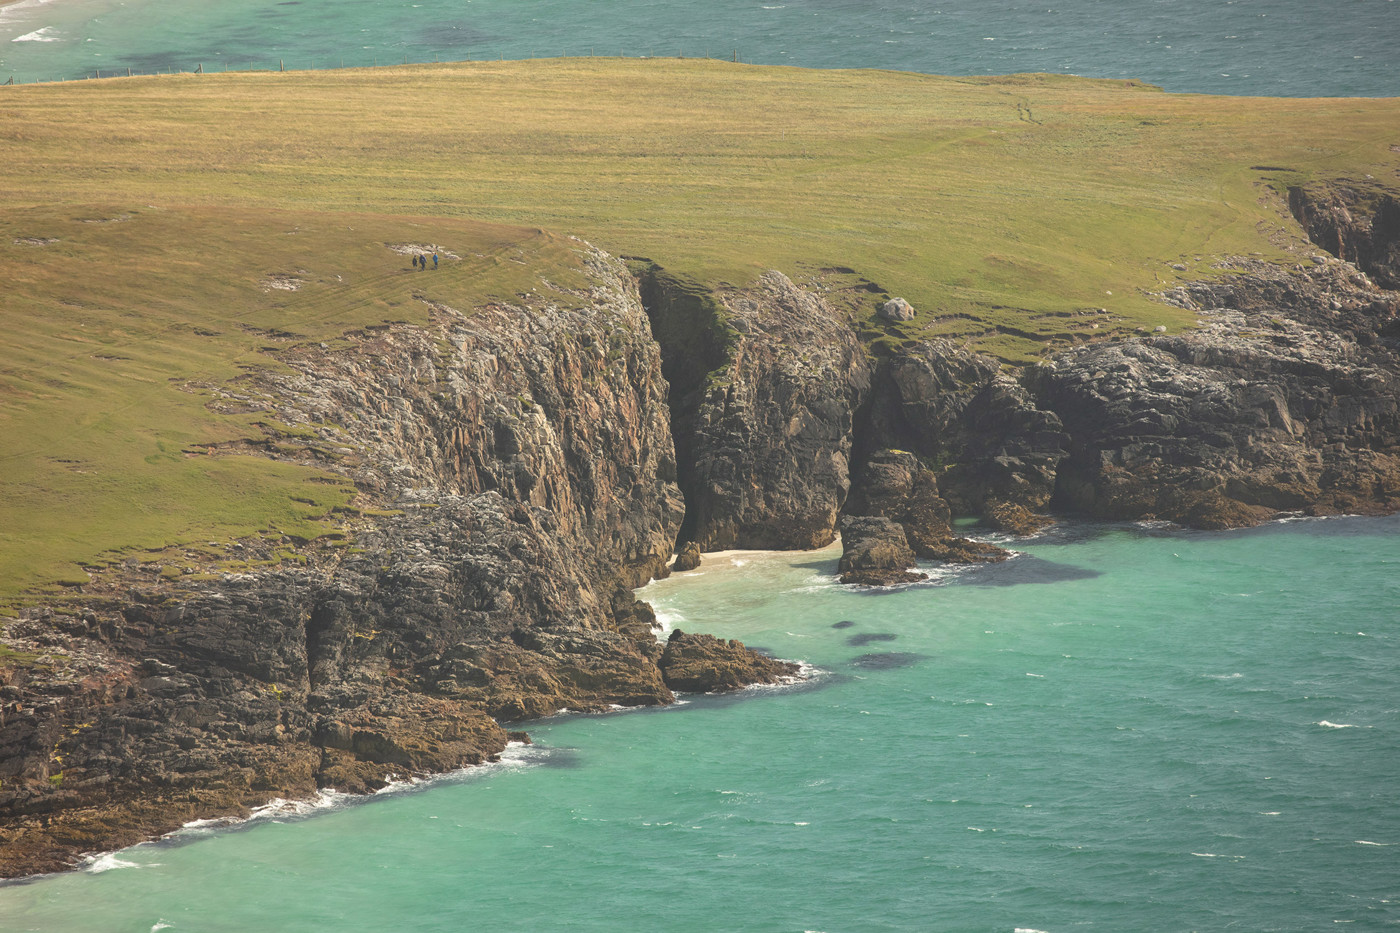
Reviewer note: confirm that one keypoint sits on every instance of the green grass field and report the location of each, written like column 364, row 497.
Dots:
column 146, row 223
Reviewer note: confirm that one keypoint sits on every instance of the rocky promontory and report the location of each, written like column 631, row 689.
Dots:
column 517, row 477
column 522, row 466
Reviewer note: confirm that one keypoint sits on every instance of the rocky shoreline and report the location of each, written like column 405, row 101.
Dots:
column 522, row 467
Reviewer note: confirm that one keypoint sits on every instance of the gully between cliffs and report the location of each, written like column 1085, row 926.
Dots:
column 1283, row 399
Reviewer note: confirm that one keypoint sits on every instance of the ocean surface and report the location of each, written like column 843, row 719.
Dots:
column 1124, row 728
column 1301, row 48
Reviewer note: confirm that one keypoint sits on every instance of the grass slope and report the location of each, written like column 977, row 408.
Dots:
column 118, row 323
column 144, row 223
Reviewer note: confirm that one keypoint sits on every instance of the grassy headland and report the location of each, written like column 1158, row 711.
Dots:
column 148, row 224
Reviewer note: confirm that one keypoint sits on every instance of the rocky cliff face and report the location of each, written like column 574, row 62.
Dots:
column 766, row 433
column 522, row 467
column 1284, row 399
column 1354, row 221
column 518, row 475
column 976, row 423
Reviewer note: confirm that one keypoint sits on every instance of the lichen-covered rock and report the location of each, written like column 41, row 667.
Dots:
column 705, row 664
column 897, row 309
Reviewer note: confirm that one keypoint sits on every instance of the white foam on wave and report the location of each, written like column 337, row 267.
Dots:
column 817, row 582
column 279, row 808
column 207, row 824
column 43, row 34
column 666, row 621
column 1367, row 842
column 1215, row 855
column 806, row 672
column 1336, row 725
column 97, row 864
column 161, row 924
column 1235, row 676
column 1028, row 930
column 515, row 755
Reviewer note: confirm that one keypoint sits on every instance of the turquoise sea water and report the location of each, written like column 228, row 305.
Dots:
column 1303, row 48
column 1124, row 728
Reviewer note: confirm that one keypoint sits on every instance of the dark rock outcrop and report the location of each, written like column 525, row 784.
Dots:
column 984, row 432
column 900, row 496
column 705, row 664
column 687, row 558
column 764, row 435
column 875, row 551
column 1290, row 405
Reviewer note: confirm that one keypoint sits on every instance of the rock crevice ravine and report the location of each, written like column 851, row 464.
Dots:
column 1282, row 399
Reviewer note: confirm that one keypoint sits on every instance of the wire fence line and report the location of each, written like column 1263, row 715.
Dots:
column 241, row 65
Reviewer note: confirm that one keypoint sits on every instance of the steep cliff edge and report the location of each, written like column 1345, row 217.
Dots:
column 517, row 479
column 1284, row 399
column 521, row 467
column 765, row 415
column 1355, row 221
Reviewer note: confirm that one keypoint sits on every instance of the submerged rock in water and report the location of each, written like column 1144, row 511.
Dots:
column 857, row 641
column 886, row 660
